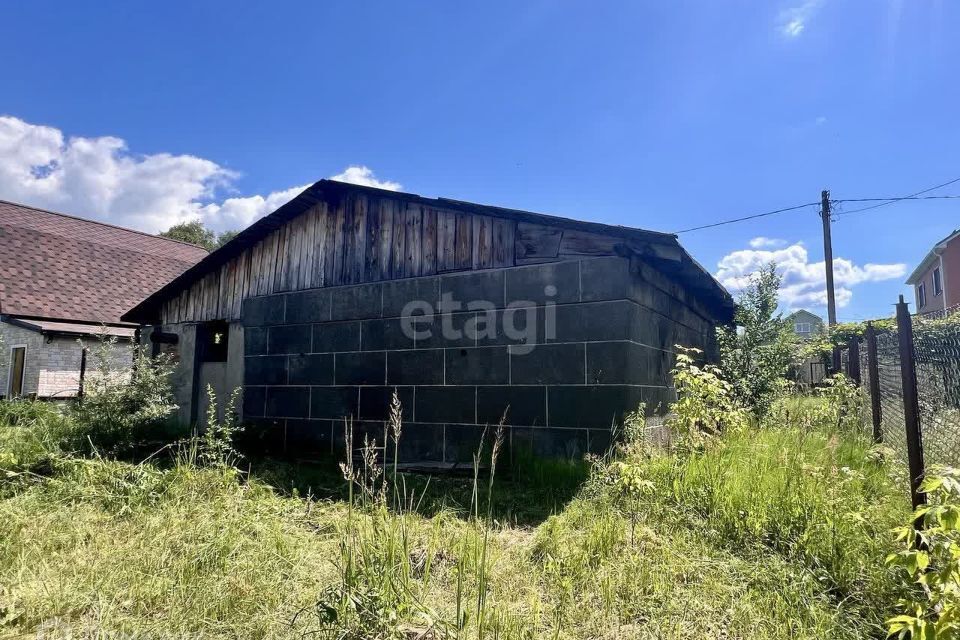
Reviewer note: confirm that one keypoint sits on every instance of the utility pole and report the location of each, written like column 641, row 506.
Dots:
column 828, row 267
column 828, row 256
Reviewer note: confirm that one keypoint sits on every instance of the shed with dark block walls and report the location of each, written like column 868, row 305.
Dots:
column 324, row 307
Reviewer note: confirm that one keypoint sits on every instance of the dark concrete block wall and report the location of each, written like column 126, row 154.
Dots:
column 569, row 347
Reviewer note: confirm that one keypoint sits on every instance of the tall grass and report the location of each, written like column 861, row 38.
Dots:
column 777, row 532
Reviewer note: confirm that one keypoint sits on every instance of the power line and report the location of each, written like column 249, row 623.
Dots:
column 912, row 196
column 896, row 199
column 756, row 215
column 882, row 203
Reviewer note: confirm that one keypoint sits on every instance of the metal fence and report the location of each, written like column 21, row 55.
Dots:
column 911, row 375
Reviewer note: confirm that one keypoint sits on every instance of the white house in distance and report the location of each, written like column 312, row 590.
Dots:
column 64, row 278
column 804, row 323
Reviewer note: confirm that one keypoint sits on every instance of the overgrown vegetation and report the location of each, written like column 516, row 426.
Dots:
column 768, row 515
column 756, row 353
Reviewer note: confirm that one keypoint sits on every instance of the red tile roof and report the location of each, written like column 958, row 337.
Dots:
column 58, row 266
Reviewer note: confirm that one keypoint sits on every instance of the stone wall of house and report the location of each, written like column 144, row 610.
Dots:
column 14, row 336
column 566, row 349
column 59, row 375
column 52, row 364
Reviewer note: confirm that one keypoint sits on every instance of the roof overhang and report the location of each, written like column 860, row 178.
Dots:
column 59, row 328
column 662, row 249
column 932, row 256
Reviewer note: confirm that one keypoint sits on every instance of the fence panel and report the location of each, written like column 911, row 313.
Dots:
column 892, row 428
column 937, row 349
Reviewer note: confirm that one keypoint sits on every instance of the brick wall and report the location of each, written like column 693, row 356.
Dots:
column 52, row 364
column 569, row 347
column 14, row 336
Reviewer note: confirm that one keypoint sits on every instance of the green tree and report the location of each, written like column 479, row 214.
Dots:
column 195, row 233
column 226, row 237
column 756, row 353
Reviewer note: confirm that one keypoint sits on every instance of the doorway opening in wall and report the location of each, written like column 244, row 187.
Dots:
column 18, row 357
column 213, row 338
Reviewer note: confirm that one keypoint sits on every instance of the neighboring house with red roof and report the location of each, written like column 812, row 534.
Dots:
column 64, row 278
column 936, row 280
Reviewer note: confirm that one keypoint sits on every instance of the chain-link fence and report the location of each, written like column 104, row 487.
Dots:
column 936, row 346
column 911, row 375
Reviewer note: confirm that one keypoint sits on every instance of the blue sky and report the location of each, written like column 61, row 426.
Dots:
column 650, row 114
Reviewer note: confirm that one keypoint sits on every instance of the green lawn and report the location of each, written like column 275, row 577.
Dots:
column 777, row 532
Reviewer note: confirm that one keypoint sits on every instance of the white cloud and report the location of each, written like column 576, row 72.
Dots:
column 359, row 174
column 793, row 20
column 101, row 178
column 238, row 213
column 762, row 242
column 804, row 282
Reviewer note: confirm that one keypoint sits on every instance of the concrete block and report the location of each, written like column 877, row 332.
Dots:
column 336, row 336
column 311, row 369
column 445, row 404
column 565, row 444
column 548, row 364
column 534, row 283
column 288, row 402
column 420, row 367
column 594, row 406
column 309, row 438
column 461, row 442
column 624, row 363
column 605, row 278
column 368, row 367
column 445, row 330
column 334, row 402
column 419, row 442
column 524, row 405
column 255, row 341
column 265, row 370
column 375, row 402
column 397, row 293
column 600, row 441
column 389, row 333
column 474, row 286
column 263, row 310
column 477, row 365
column 308, row 306
column 294, row 338
column 263, row 436
column 356, row 302
column 517, row 326
column 611, row 320
column 657, row 400
column 254, row 399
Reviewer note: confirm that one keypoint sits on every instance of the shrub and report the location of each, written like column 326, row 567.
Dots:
column 124, row 409
column 756, row 354
column 706, row 404
column 931, row 560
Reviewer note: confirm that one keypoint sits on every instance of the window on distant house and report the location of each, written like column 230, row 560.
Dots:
column 214, row 336
column 922, row 296
column 18, row 356
column 802, row 327
column 937, row 283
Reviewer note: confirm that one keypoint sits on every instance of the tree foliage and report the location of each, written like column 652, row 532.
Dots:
column 756, row 353
column 195, row 233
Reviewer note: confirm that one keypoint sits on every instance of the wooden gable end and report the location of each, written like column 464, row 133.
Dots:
column 360, row 237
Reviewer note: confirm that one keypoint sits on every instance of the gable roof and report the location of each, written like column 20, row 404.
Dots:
column 804, row 313
column 684, row 267
column 917, row 275
column 62, row 267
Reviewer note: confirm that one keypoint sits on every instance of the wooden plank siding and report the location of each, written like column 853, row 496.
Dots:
column 366, row 238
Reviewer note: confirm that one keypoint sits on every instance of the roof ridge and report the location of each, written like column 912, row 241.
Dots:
column 101, row 223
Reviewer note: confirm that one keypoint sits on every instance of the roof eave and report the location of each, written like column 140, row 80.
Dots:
column 147, row 312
